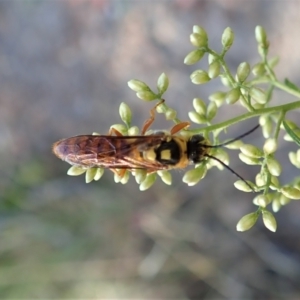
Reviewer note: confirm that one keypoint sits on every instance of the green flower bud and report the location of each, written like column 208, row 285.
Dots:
column 148, row 182
column 211, row 58
column 211, row 111
column 137, row 85
column 214, row 69
column 233, row 96
column 222, row 155
column 225, row 81
column 140, row 175
column 258, row 95
column 200, row 106
column 263, row 119
column 249, row 160
column 293, row 159
column 170, row 114
column 251, row 151
column 125, row 113
column 267, row 129
column 197, row 118
column 290, row 192
column 99, row 173
column 217, row 96
column 75, row 171
column 120, row 128
column 254, row 201
column 90, row 174
column 227, row 38
column 244, row 92
column 146, row 95
column 161, row 109
column 276, row 205
column 117, row 178
column 198, row 40
column 134, row 130
column 298, row 155
column 273, row 166
column 243, row 71
column 210, row 163
column 242, row 186
column 274, row 185
column 162, row 83
column 258, row 69
column 199, row 77
column 201, row 31
column 270, row 146
column 235, row 145
column 193, row 57
column 260, row 35
column 261, row 200
column 165, row 176
column 125, row 177
column 260, row 179
column 193, row 176
column 257, row 106
column 284, row 200
column 269, row 220
column 247, row 221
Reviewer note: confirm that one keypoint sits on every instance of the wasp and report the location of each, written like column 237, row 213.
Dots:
column 153, row 152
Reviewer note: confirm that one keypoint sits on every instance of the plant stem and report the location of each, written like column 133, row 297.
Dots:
column 258, row 112
column 281, row 118
column 285, row 88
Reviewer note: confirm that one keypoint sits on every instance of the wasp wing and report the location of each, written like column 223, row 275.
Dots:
column 114, row 152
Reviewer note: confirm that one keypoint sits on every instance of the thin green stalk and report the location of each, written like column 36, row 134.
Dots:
column 277, row 129
column 249, row 115
column 285, row 88
column 276, row 83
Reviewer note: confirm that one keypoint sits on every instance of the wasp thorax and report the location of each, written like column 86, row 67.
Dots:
column 168, row 152
column 196, row 148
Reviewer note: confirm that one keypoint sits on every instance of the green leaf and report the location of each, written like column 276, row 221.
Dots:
column 291, row 133
column 291, row 85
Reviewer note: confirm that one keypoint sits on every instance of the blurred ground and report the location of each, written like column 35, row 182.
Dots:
column 64, row 67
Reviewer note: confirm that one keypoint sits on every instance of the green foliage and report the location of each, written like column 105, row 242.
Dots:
column 252, row 91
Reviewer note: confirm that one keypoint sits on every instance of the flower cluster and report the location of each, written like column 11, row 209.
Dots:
column 249, row 86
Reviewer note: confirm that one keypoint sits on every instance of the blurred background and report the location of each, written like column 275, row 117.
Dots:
column 64, row 67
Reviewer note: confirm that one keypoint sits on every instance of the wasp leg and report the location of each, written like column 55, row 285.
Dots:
column 148, row 122
column 178, row 127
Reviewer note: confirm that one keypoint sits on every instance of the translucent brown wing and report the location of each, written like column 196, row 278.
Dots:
column 114, row 152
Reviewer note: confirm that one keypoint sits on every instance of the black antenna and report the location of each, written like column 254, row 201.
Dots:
column 227, row 143
column 231, row 141
column 231, row 170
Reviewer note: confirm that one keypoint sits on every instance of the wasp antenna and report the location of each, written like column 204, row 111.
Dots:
column 231, row 170
column 231, row 141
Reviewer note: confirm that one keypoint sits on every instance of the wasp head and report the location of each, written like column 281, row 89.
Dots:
column 197, row 148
